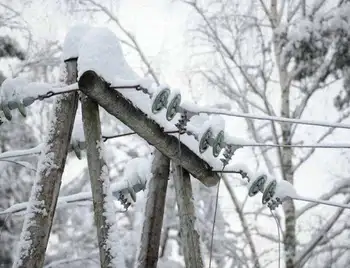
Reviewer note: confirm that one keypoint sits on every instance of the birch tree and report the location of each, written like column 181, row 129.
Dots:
column 274, row 58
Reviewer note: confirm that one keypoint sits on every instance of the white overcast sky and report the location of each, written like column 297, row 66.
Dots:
column 160, row 27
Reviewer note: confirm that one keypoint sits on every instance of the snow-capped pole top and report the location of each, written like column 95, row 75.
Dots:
column 100, row 51
column 72, row 41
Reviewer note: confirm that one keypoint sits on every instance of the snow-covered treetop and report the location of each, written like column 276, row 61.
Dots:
column 308, row 39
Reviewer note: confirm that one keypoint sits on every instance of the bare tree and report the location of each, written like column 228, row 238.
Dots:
column 273, row 57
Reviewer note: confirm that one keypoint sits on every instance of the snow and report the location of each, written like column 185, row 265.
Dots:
column 217, row 124
column 13, row 88
column 72, row 41
column 190, row 106
column 100, row 51
column 137, row 171
column 19, row 88
column 284, row 189
column 113, row 244
column 78, row 128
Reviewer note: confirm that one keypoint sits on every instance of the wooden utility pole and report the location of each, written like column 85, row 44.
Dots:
column 189, row 235
column 114, row 103
column 153, row 221
column 42, row 203
column 99, row 178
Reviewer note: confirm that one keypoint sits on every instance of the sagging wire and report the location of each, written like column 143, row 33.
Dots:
column 105, row 138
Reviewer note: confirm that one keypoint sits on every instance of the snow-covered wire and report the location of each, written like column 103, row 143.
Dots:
column 73, row 87
column 37, row 149
column 272, row 118
column 324, row 202
column 62, row 201
column 316, row 145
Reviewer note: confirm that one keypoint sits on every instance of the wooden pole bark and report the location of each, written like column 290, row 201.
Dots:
column 114, row 103
column 152, row 225
column 189, row 235
column 100, row 185
column 42, row 204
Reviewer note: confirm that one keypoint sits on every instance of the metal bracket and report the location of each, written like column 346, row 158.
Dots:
column 274, row 203
column 229, row 152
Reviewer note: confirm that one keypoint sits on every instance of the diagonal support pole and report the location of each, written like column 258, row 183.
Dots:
column 114, row 103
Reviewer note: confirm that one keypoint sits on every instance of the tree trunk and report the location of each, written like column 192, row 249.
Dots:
column 189, row 235
column 100, row 186
column 286, row 159
column 287, row 170
column 42, row 204
column 152, row 225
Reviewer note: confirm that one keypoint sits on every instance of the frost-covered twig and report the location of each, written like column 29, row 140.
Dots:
column 42, row 204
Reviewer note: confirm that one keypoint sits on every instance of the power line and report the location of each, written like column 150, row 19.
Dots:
column 73, row 87
column 274, row 118
column 324, row 202
column 316, row 145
